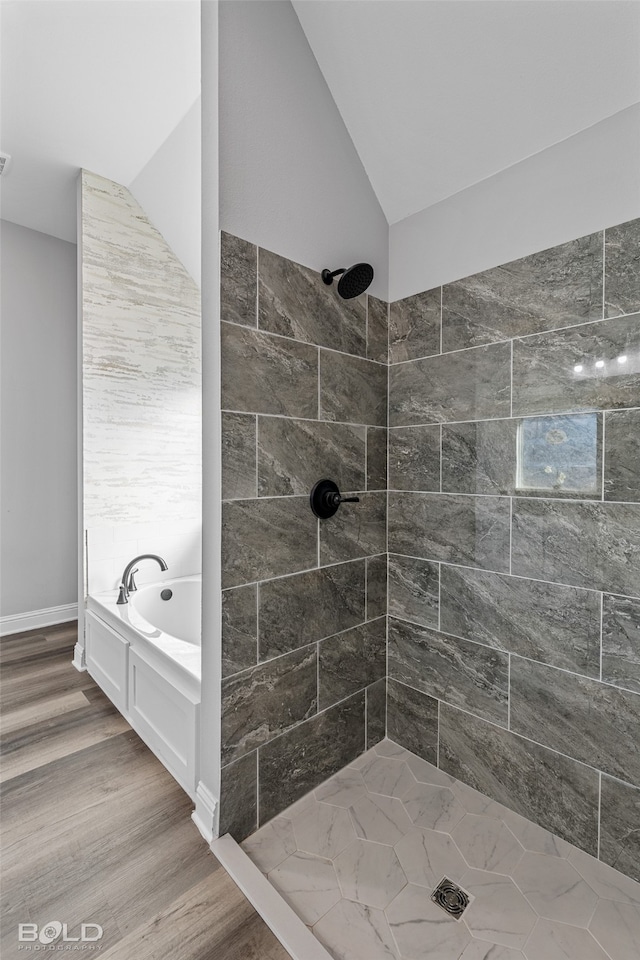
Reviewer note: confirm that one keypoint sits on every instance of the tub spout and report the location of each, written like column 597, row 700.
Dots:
column 123, row 596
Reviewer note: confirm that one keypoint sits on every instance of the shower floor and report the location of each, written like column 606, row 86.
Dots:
column 358, row 858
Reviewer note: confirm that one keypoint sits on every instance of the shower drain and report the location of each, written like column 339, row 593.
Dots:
column 451, row 898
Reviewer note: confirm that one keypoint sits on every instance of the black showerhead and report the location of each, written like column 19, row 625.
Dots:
column 353, row 281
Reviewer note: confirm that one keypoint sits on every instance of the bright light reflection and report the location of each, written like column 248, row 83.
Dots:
column 622, row 359
column 599, row 363
column 578, row 368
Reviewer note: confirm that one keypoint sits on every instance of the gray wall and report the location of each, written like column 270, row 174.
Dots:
column 39, row 488
column 514, row 536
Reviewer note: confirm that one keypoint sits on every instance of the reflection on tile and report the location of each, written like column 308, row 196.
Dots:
column 238, row 455
column 377, row 330
column 422, row 929
column 413, row 590
column 356, row 530
column 266, row 538
column 376, row 712
column 309, row 753
column 466, row 674
column 294, row 302
column 594, row 545
column 381, row 819
column 545, row 378
column 433, row 807
column 350, row 929
column 542, row 621
column 479, row 457
column 414, row 326
column 555, row 889
column 267, row 700
column 553, row 791
column 487, row 844
column 239, row 629
column 553, row 288
column 412, row 720
column 427, row 856
column 414, row 458
column 560, row 456
column 376, row 460
column 616, row 927
column 621, row 642
column 308, row 884
column 239, row 798
column 622, row 268
column 370, row 873
column 499, row 912
column 294, row 454
column 620, row 827
column 352, row 390
column 376, row 586
column 453, row 529
column 272, row 844
column 470, row 385
column 238, row 280
column 264, row 374
column 586, row 719
column 309, row 606
column 559, row 941
column 323, row 830
column 351, row 660
column 622, row 455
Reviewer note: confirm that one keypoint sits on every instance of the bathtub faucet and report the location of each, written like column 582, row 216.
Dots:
column 123, row 596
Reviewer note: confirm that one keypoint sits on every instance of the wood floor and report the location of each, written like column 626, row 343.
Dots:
column 94, row 829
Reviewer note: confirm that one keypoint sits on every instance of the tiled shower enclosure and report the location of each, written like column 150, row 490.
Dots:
column 481, row 607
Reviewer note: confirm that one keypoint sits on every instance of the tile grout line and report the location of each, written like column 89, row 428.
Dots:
column 603, row 454
column 308, row 343
column 599, row 810
column 257, row 625
column 509, row 692
column 441, row 302
column 438, row 738
column 257, row 459
column 601, row 629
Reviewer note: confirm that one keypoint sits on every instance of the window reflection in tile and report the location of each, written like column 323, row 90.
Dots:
column 559, row 455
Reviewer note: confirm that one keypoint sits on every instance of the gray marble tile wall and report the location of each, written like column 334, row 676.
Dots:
column 514, row 536
column 304, row 396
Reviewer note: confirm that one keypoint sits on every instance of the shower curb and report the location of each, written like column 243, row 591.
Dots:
column 284, row 923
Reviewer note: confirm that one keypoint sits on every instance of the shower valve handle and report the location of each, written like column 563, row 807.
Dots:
column 326, row 498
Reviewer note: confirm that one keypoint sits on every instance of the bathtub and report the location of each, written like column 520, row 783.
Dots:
column 145, row 656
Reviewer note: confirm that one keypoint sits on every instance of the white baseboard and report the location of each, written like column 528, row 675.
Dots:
column 287, row 926
column 35, row 619
column 204, row 815
column 79, row 658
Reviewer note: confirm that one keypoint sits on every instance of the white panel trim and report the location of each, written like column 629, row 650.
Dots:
column 206, row 812
column 34, row 619
column 287, row 926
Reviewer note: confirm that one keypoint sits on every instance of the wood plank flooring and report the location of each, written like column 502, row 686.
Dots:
column 94, row 829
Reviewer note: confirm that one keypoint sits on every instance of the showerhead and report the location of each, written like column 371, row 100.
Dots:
column 353, row 281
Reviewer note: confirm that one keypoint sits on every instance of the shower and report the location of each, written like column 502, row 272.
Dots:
column 353, row 281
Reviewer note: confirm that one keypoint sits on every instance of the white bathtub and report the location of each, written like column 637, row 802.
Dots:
column 145, row 655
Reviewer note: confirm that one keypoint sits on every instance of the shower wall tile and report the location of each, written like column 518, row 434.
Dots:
column 545, row 379
column 239, row 629
column 622, row 268
column 412, row 720
column 413, row 590
column 376, row 460
column 554, row 288
column 238, row 456
column 622, row 455
column 294, row 454
column 294, row 302
column 267, row 701
column 266, row 374
column 352, row 390
column 414, row 326
column 356, row 530
column 351, row 660
column 558, row 793
column 376, row 586
column 414, row 458
column 297, row 610
column 453, row 529
column 239, row 797
column 267, row 538
column 313, row 751
column 591, row 721
column 377, row 330
column 464, row 674
column 542, row 621
column 593, row 545
column 619, row 834
column 479, row 457
column 238, row 280
column 621, row 642
column 376, row 696
column 469, row 385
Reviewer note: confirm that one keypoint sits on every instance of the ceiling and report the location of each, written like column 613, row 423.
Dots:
column 99, row 85
column 440, row 95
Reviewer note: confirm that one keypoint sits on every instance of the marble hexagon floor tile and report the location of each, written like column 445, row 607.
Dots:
column 370, row 873
column 555, row 889
column 271, row 844
column 435, row 808
column 378, row 818
column 343, row 789
column 551, row 940
column 388, row 776
column 616, row 927
column 323, row 829
column 483, row 950
column 487, row 844
column 354, row 930
column 421, row 930
column 499, row 912
column 427, row 856
column 309, row 884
